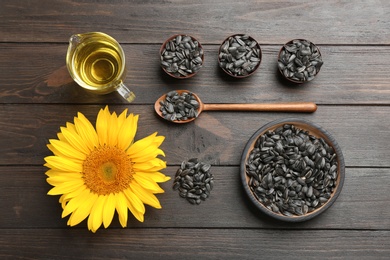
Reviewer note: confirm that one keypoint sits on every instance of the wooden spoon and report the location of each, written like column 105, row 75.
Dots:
column 297, row 107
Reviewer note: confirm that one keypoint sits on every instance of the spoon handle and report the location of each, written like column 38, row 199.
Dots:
column 301, row 107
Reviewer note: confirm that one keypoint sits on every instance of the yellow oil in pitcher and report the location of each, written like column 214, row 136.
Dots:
column 96, row 62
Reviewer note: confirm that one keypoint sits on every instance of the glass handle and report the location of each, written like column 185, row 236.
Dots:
column 126, row 93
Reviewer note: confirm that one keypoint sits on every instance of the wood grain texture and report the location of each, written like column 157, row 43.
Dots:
column 339, row 22
column 194, row 244
column 349, row 75
column 218, row 137
column 25, row 204
column 352, row 92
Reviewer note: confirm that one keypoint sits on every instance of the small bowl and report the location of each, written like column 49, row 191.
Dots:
column 299, row 61
column 282, row 188
column 181, row 56
column 239, row 55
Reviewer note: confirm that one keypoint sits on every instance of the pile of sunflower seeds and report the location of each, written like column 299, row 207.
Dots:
column 194, row 181
column 300, row 60
column 182, row 56
column 178, row 107
column 239, row 55
column 292, row 172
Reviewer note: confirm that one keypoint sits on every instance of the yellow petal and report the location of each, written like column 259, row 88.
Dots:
column 63, row 164
column 121, row 208
column 63, row 201
column 147, row 183
column 102, row 125
column 67, row 150
column 146, row 196
column 146, row 158
column 55, row 181
column 156, row 164
column 151, row 150
column 53, row 173
column 122, row 117
column 113, row 130
column 60, row 154
column 134, row 126
column 118, row 122
column 71, row 127
column 96, row 214
column 134, row 200
column 83, row 211
column 56, row 173
column 109, row 210
column 158, row 140
column 127, row 132
column 61, row 137
column 141, row 144
column 75, row 140
column 54, row 150
column 138, row 215
column 75, row 203
column 73, row 194
column 86, row 131
column 157, row 176
column 66, row 187
column 89, row 222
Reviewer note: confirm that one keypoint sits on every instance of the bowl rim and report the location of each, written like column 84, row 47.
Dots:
column 163, row 47
column 307, row 126
column 293, row 80
column 260, row 56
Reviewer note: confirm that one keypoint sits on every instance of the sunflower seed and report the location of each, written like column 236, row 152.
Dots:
column 182, row 49
column 175, row 105
column 302, row 58
column 196, row 185
column 176, row 185
column 300, row 177
column 239, row 55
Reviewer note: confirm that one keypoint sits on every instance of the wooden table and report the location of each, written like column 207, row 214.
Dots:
column 352, row 91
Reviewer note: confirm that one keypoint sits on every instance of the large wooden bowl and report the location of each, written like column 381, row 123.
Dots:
column 314, row 130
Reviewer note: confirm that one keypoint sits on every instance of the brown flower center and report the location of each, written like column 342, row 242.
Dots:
column 107, row 170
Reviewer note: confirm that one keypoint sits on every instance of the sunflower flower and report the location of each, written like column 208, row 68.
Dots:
column 98, row 171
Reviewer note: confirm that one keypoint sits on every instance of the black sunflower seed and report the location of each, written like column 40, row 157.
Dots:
column 295, row 173
column 196, row 183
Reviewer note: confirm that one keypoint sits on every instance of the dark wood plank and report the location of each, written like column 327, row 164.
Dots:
column 327, row 22
column 24, row 204
column 37, row 96
column 194, row 244
column 218, row 137
column 46, row 80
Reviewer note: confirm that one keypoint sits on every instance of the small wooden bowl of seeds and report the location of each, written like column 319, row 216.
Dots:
column 299, row 60
column 292, row 169
column 181, row 56
column 239, row 55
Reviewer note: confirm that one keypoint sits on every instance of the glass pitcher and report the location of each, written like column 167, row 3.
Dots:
column 96, row 62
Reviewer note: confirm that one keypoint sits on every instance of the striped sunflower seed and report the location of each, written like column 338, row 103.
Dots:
column 300, row 60
column 181, row 56
column 292, row 171
column 196, row 185
column 239, row 55
column 178, row 107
